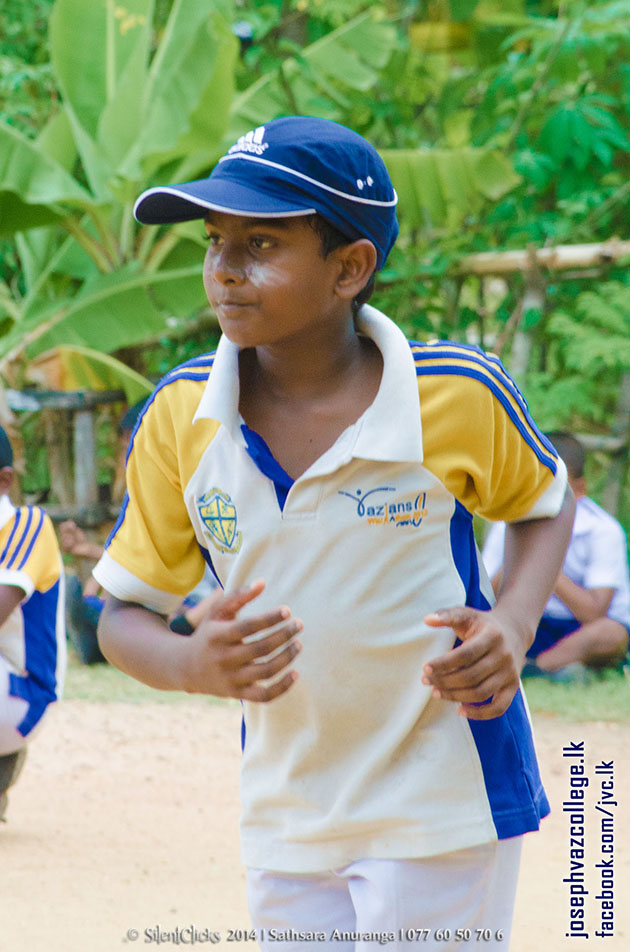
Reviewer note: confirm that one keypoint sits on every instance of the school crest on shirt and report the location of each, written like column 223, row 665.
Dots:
column 218, row 514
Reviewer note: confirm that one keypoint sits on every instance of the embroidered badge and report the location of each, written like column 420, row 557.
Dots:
column 218, row 513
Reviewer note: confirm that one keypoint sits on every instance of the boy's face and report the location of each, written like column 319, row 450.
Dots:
column 267, row 279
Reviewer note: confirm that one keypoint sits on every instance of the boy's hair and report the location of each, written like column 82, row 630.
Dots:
column 331, row 238
column 570, row 450
column 6, row 452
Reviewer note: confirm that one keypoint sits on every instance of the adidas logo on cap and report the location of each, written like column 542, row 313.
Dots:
column 251, row 142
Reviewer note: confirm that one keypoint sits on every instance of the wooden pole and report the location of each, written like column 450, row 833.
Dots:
column 57, row 433
column 85, row 483
column 560, row 258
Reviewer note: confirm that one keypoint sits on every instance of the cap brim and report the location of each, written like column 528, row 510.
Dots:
column 191, row 200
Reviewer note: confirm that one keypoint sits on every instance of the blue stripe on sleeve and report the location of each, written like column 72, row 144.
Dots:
column 120, row 520
column 16, row 551
column 548, row 461
column 492, row 364
column 201, row 361
column 16, row 523
column 189, row 375
column 170, row 378
column 33, row 540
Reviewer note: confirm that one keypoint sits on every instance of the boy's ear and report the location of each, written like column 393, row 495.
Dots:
column 578, row 485
column 6, row 480
column 357, row 263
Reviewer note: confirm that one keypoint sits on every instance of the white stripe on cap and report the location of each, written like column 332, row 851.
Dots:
column 307, row 178
column 200, row 203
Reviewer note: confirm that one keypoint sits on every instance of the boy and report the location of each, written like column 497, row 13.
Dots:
column 302, row 451
column 587, row 619
column 32, row 635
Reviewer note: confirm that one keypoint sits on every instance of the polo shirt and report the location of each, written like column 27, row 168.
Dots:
column 597, row 557
column 32, row 638
column 357, row 759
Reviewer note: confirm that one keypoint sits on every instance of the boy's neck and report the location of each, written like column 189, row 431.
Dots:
column 300, row 402
column 304, row 368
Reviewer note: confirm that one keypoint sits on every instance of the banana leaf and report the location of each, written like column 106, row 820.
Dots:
column 67, row 368
column 440, row 188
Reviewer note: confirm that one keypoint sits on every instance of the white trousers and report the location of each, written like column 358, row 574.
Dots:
column 462, row 900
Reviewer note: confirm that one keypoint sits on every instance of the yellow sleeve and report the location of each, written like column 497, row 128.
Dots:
column 152, row 555
column 29, row 552
column 479, row 439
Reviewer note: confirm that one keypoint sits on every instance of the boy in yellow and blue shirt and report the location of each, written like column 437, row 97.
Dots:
column 320, row 450
column 32, row 632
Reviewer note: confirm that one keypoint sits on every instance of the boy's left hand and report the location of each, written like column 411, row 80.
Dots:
column 482, row 673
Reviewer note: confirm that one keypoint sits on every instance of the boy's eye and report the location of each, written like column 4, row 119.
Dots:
column 261, row 242
column 213, row 238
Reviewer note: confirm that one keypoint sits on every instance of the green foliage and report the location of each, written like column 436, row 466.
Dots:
column 27, row 88
column 595, row 337
column 587, row 347
column 168, row 352
column 320, row 79
column 606, row 698
column 277, row 30
column 104, row 684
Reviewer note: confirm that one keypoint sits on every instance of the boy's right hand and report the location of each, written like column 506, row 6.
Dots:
column 222, row 660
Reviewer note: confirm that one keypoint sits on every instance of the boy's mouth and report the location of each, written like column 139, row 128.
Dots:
column 231, row 305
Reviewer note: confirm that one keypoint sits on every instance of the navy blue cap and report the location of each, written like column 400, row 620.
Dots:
column 6, row 452
column 296, row 165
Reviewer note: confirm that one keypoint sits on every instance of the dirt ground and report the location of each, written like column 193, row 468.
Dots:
column 126, row 818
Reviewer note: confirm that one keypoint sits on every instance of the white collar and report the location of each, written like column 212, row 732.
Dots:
column 390, row 429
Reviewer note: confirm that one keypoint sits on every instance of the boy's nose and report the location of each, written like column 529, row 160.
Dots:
column 228, row 266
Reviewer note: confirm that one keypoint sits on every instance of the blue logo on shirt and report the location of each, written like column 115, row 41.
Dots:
column 408, row 509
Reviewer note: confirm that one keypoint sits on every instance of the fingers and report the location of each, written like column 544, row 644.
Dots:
column 195, row 615
column 232, row 663
column 457, row 659
column 243, row 653
column 224, row 605
column 498, row 705
column 460, row 617
column 263, row 693
column 480, row 673
column 265, row 670
column 243, row 658
column 249, row 665
column 229, row 604
column 448, row 675
column 483, row 691
column 237, row 632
